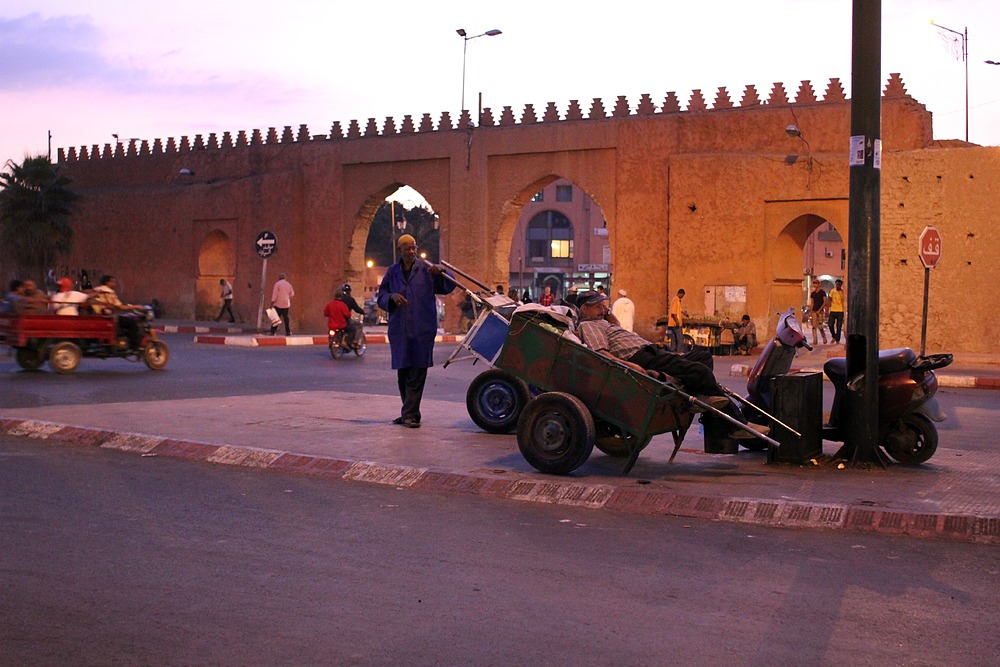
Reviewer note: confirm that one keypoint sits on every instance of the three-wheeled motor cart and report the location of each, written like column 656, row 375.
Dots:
column 64, row 339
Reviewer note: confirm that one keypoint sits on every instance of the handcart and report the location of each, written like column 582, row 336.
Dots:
column 494, row 399
column 587, row 399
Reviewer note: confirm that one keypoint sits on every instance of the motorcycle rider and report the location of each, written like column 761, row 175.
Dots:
column 352, row 305
column 338, row 316
column 106, row 297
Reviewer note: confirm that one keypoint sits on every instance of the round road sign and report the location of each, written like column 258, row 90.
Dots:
column 266, row 244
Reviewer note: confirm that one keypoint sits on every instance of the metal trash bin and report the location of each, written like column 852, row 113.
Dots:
column 798, row 402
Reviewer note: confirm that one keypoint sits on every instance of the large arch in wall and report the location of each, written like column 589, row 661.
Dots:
column 216, row 260
column 514, row 181
column 788, row 227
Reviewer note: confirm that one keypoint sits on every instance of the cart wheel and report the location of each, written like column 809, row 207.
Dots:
column 555, row 433
column 610, row 441
column 30, row 358
column 687, row 342
column 64, row 357
column 912, row 439
column 360, row 345
column 495, row 400
column 156, row 354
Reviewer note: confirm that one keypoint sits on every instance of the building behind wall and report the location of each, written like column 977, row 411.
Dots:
column 561, row 241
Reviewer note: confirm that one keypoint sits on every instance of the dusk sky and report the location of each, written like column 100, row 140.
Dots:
column 87, row 70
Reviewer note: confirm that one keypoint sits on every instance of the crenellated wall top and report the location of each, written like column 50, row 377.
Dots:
column 597, row 110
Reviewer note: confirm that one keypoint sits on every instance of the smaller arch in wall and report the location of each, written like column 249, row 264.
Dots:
column 216, row 261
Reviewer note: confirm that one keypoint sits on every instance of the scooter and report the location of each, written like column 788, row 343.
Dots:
column 906, row 388
column 337, row 342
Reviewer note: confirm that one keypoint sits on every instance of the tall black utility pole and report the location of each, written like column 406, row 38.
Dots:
column 861, row 408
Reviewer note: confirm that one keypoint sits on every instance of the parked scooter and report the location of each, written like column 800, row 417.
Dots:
column 906, row 388
column 338, row 343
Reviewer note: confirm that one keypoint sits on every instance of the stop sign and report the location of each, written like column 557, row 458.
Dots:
column 930, row 247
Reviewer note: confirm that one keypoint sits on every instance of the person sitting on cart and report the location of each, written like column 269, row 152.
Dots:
column 67, row 300
column 598, row 332
column 23, row 298
column 106, row 299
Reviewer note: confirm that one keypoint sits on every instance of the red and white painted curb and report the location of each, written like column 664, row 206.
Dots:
column 537, row 489
column 255, row 340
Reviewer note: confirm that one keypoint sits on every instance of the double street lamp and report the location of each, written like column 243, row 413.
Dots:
column 465, row 45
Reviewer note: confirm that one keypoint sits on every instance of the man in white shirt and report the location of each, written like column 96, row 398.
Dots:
column 624, row 310
column 67, row 299
column 281, row 300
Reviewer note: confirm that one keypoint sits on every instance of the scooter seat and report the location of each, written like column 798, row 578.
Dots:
column 889, row 361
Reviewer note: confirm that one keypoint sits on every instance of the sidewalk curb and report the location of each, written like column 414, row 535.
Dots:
column 534, row 488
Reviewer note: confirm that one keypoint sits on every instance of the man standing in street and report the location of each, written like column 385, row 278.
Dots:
column 227, row 300
column 838, row 302
column 407, row 294
column 547, row 298
column 624, row 310
column 817, row 312
column 281, row 300
column 675, row 321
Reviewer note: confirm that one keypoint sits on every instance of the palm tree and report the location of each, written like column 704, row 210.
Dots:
column 36, row 203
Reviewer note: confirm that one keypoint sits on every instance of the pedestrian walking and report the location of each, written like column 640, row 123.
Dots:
column 281, row 301
column 407, row 293
column 227, row 300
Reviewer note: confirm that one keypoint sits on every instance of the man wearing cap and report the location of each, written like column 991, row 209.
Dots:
column 609, row 339
column 407, row 294
column 66, row 301
column 624, row 310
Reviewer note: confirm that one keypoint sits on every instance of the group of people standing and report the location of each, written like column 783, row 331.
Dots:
column 827, row 310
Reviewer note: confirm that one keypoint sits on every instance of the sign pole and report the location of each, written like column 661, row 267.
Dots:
column 265, row 245
column 923, row 322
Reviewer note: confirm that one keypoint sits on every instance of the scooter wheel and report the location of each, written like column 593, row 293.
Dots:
column 912, row 439
column 336, row 351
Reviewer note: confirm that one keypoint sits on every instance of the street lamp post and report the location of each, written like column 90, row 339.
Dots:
column 965, row 58
column 465, row 45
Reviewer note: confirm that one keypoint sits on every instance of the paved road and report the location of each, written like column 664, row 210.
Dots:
column 295, row 408
column 111, row 558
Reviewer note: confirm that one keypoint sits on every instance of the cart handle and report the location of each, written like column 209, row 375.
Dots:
column 464, row 275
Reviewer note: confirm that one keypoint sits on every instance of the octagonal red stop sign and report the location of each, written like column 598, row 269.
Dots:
column 930, row 247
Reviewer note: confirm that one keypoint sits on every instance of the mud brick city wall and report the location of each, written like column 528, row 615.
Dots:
column 695, row 192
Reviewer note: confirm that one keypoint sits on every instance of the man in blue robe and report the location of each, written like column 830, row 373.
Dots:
column 407, row 294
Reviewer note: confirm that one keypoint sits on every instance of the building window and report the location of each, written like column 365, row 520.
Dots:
column 562, row 249
column 539, row 196
column 564, row 193
column 549, row 239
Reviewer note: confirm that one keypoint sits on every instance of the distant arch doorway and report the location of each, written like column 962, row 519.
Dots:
column 806, row 246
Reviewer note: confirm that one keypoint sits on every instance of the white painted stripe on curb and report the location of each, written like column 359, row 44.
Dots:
column 956, row 381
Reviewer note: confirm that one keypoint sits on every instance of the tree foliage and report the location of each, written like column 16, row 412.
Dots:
column 36, row 203
column 417, row 221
